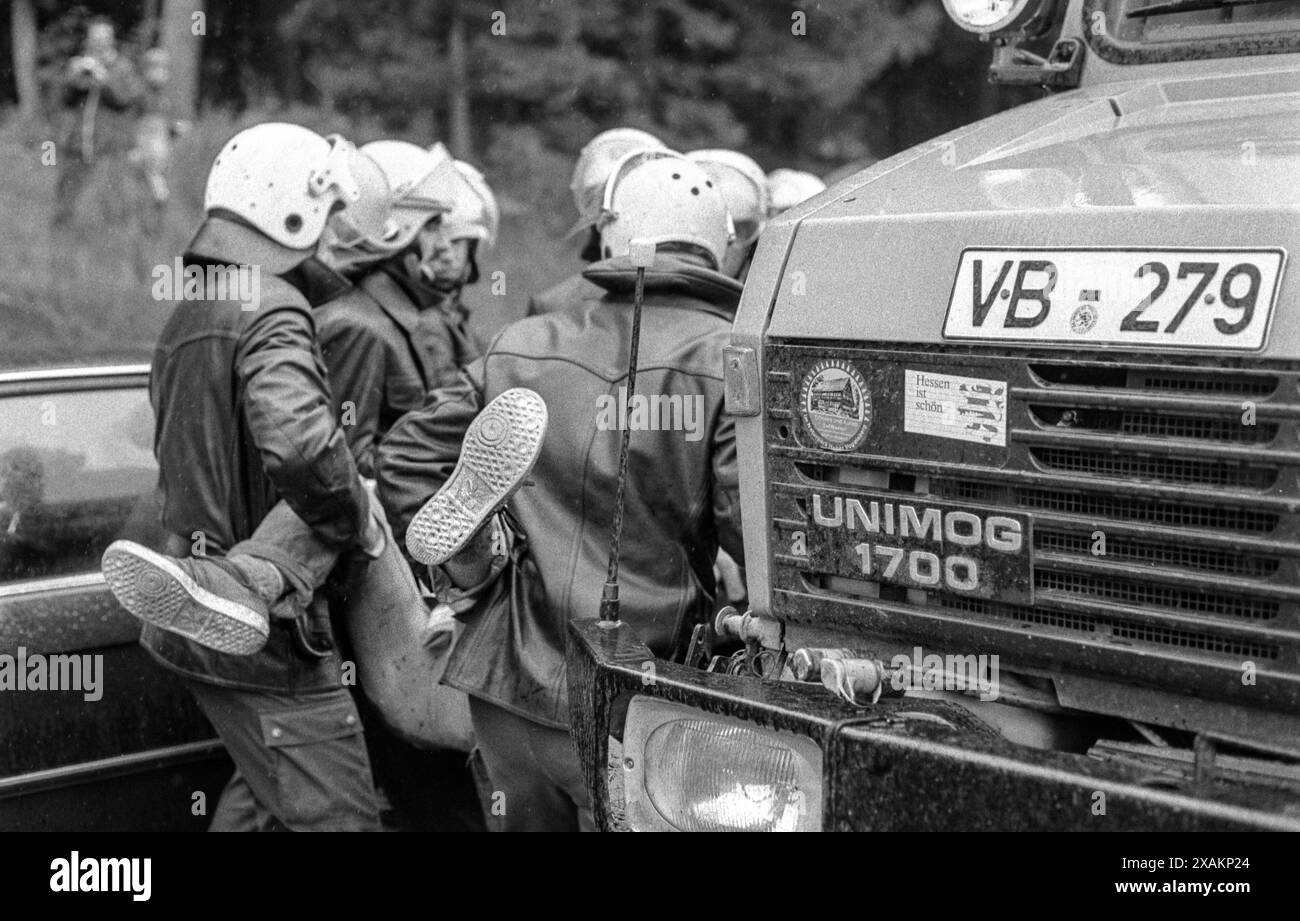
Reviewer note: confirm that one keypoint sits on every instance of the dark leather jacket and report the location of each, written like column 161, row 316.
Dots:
column 384, row 355
column 243, row 418
column 444, row 339
column 563, row 294
column 682, row 496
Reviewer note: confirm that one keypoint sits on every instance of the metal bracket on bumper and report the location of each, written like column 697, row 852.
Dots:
column 901, row 764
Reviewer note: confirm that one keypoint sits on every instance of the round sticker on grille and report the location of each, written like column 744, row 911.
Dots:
column 835, row 406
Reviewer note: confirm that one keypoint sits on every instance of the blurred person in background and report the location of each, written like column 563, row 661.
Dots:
column 156, row 130
column 682, row 497
column 103, row 94
column 788, row 187
column 587, row 186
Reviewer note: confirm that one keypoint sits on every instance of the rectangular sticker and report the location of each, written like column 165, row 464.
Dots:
column 951, row 406
column 1217, row 299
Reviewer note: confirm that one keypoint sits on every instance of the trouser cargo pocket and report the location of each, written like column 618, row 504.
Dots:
column 320, row 767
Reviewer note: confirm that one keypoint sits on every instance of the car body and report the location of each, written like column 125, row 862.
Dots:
column 133, row 752
column 1115, row 496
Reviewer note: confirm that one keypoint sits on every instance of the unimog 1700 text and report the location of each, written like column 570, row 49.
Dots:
column 1018, row 417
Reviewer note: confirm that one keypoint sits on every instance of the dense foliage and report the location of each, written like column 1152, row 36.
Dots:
column 812, row 83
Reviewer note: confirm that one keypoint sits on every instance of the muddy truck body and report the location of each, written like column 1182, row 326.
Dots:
column 1018, row 417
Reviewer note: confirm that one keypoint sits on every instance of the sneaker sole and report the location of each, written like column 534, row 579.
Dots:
column 501, row 446
column 157, row 591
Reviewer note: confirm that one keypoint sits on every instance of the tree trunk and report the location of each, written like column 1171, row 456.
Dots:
column 459, row 136
column 646, row 39
column 23, row 27
column 184, row 48
column 640, row 93
column 150, row 16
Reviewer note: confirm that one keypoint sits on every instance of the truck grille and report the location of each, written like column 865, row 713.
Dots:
column 1160, row 554
column 1188, row 470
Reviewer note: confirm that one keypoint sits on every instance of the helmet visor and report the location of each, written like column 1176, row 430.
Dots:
column 368, row 217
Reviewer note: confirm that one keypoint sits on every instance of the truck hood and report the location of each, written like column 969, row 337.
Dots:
column 1181, row 161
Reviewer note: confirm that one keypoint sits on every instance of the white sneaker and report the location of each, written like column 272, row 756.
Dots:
column 501, row 446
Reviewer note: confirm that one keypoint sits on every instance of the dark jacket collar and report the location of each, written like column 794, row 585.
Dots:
column 226, row 241
column 222, row 242
column 317, row 282
column 671, row 273
column 422, row 294
column 395, row 300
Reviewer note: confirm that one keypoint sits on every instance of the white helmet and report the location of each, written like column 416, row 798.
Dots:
column 744, row 188
column 418, row 178
column 596, row 162
column 284, row 180
column 474, row 213
column 366, row 230
column 788, row 187
column 664, row 198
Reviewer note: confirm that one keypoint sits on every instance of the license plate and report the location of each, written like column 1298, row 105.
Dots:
column 1168, row 298
column 921, row 543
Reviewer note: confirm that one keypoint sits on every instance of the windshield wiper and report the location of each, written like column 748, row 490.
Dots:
column 1188, row 6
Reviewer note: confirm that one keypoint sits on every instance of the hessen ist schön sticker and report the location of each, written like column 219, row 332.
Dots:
column 950, row 406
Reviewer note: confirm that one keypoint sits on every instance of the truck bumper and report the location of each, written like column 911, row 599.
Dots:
column 903, row 764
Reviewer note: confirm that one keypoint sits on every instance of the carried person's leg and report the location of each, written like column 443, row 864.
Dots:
column 225, row 603
column 499, row 450
column 401, row 650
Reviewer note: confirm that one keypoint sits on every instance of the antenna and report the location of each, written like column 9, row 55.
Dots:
column 642, row 254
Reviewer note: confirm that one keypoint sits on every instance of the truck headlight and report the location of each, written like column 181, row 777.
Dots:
column 988, row 16
column 688, row 770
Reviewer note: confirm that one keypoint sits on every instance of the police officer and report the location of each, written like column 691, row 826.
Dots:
column 587, row 186
column 469, row 230
column 744, row 188
column 247, row 441
column 788, row 187
column 386, row 347
column 681, row 500
column 385, row 350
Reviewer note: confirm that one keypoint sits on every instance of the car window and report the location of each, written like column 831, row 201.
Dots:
column 76, row 472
